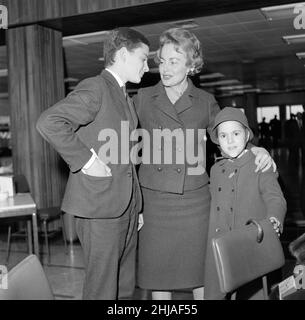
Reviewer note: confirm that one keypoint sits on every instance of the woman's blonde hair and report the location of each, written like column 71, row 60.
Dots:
column 188, row 42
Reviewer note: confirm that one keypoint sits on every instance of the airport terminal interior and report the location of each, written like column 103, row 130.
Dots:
column 254, row 58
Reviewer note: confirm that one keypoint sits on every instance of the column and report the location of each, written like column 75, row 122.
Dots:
column 251, row 104
column 36, row 82
column 282, row 119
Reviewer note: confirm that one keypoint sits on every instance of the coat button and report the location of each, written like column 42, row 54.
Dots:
column 159, row 169
column 233, row 190
column 219, row 189
column 235, row 170
column 178, row 170
column 218, row 208
column 179, row 149
column 217, row 230
column 231, row 209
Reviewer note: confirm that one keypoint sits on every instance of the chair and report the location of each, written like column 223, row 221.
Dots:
column 27, row 281
column 21, row 186
column 44, row 215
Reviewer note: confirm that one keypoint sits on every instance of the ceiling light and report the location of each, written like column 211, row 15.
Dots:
column 253, row 90
column 71, row 80
column 236, row 87
column 85, row 38
column 3, row 72
column 237, row 91
column 300, row 55
column 151, row 55
column 241, row 91
column 298, row 38
column 185, row 24
column 211, row 76
column 219, row 83
column 281, row 12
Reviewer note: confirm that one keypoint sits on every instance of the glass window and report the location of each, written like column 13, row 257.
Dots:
column 295, row 108
column 268, row 113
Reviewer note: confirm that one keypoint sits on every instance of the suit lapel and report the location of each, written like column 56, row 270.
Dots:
column 126, row 107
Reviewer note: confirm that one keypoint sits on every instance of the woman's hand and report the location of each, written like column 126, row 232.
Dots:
column 263, row 159
column 276, row 225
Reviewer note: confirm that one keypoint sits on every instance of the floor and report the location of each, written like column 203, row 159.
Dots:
column 66, row 270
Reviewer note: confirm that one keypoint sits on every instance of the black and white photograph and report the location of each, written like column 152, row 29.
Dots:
column 152, row 151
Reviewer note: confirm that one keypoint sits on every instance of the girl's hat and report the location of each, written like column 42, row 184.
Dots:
column 229, row 114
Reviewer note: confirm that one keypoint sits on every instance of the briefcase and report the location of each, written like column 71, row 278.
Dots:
column 247, row 253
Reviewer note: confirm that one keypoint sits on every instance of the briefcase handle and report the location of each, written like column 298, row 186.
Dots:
column 260, row 231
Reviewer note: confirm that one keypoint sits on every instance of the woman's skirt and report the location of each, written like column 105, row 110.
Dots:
column 172, row 242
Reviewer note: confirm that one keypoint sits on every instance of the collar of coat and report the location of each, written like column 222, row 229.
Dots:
column 110, row 78
column 185, row 102
column 237, row 162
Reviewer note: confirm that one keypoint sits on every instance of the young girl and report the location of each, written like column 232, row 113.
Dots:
column 238, row 192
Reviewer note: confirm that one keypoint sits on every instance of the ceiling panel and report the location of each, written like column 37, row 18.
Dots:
column 241, row 45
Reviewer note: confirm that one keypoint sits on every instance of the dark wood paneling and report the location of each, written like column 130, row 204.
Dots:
column 32, row 11
column 82, row 16
column 35, row 83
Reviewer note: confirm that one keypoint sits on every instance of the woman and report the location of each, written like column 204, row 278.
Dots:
column 172, row 242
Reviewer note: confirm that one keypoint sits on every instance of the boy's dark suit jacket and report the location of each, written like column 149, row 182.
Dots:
column 73, row 126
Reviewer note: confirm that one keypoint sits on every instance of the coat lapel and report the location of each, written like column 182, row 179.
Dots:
column 184, row 103
column 163, row 103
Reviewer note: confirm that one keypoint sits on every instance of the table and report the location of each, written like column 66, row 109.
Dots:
column 22, row 204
